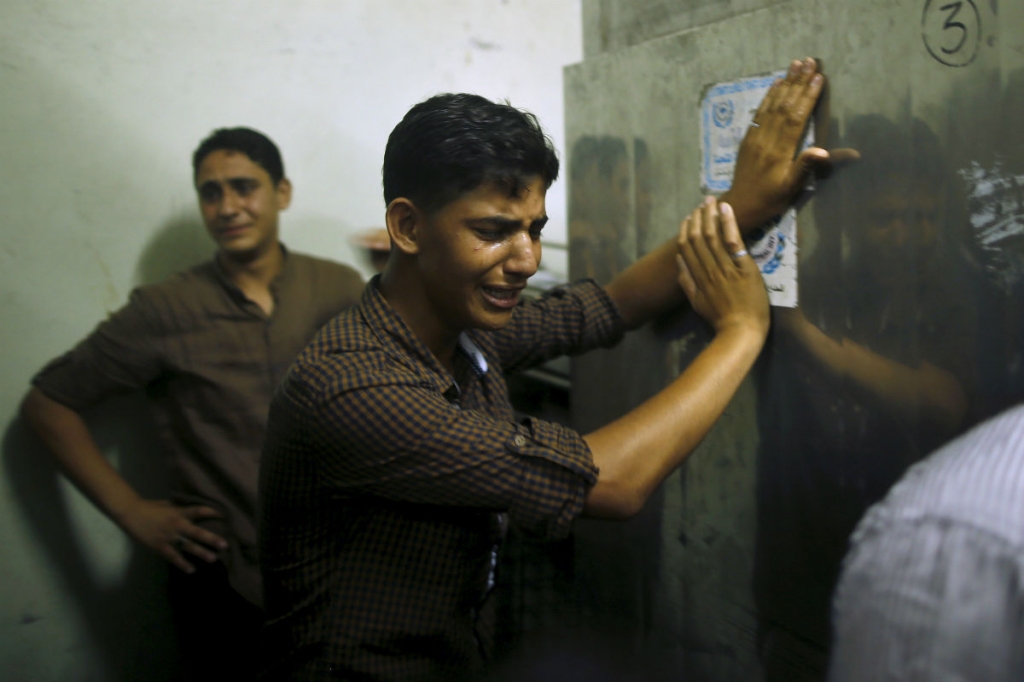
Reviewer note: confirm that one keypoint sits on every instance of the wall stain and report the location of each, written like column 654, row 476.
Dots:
column 108, row 278
column 483, row 45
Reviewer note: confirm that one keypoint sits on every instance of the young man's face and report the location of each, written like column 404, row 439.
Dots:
column 900, row 230
column 239, row 203
column 477, row 252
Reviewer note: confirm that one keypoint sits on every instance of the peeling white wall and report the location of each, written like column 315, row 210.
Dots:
column 101, row 105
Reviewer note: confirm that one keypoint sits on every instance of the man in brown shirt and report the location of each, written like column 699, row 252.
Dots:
column 208, row 346
column 394, row 460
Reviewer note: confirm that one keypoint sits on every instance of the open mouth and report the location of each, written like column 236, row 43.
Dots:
column 229, row 232
column 501, row 297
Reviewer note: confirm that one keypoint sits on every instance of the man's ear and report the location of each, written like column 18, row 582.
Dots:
column 284, row 194
column 404, row 223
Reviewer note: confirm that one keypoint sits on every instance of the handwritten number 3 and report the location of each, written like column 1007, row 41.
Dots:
column 939, row 25
column 955, row 6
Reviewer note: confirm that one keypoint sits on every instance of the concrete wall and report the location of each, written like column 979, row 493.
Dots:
column 101, row 105
column 726, row 575
column 610, row 25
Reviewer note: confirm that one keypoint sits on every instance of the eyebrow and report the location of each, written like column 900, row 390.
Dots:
column 228, row 181
column 507, row 223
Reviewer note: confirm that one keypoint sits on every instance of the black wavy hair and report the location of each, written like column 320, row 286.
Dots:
column 451, row 144
column 254, row 144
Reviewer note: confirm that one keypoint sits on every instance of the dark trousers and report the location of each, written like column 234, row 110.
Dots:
column 218, row 631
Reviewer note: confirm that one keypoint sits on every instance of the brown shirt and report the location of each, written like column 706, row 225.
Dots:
column 387, row 481
column 209, row 360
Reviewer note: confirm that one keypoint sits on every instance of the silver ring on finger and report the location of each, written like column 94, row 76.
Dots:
column 740, row 254
column 180, row 542
column 754, row 124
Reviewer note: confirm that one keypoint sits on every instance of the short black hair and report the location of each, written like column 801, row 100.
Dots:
column 254, row 144
column 451, row 144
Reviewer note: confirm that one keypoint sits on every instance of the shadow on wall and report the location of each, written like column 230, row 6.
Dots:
column 128, row 624
column 180, row 243
column 124, row 631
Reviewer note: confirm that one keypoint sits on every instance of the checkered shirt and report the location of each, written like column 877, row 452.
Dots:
column 386, row 482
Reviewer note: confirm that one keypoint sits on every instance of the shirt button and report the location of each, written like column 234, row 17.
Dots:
column 519, row 441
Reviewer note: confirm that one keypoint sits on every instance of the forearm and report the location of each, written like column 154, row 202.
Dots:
column 648, row 287
column 66, row 435
column 638, row 451
column 926, row 392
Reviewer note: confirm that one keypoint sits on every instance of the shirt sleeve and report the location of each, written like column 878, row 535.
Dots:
column 564, row 321
column 120, row 355
column 391, row 434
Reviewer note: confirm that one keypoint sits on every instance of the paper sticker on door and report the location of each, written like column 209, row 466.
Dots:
column 727, row 110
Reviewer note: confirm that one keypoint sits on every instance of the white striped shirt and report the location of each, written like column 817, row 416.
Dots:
column 933, row 585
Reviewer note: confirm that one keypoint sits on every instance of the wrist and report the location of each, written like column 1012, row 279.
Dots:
column 123, row 511
column 749, row 215
column 746, row 219
column 743, row 329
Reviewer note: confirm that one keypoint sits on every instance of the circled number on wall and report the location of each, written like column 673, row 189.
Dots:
column 951, row 30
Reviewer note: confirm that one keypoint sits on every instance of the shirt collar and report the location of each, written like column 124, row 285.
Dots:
column 393, row 332
column 473, row 353
column 287, row 270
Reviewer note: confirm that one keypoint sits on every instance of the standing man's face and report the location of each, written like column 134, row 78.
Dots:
column 239, row 203
column 478, row 252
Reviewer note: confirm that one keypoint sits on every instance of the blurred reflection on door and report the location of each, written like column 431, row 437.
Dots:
column 867, row 376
